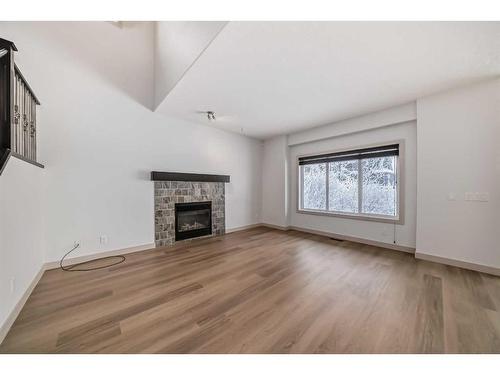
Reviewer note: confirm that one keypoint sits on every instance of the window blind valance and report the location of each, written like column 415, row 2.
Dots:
column 364, row 153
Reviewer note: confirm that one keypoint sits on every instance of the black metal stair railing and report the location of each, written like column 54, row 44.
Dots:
column 23, row 130
column 18, row 107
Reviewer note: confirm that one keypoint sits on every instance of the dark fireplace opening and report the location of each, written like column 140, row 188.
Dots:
column 193, row 220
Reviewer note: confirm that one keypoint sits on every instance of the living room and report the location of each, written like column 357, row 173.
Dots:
column 182, row 186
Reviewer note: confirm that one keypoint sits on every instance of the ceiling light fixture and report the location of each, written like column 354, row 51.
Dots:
column 211, row 115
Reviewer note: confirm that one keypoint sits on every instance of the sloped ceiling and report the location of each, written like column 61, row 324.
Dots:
column 269, row 78
column 177, row 46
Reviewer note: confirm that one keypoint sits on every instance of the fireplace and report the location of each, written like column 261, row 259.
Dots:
column 193, row 220
column 173, row 188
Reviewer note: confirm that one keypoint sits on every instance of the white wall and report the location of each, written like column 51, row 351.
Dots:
column 99, row 141
column 177, row 46
column 375, row 231
column 275, row 182
column 459, row 152
column 21, row 230
column 279, row 171
column 389, row 116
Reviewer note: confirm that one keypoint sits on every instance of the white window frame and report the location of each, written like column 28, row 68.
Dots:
column 397, row 219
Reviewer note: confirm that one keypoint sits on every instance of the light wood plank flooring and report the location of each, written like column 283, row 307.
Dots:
column 262, row 291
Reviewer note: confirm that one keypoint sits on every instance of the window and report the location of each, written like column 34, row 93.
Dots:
column 359, row 183
column 343, row 186
column 315, row 187
column 379, row 185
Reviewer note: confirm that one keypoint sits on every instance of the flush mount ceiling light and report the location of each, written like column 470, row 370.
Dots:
column 211, row 115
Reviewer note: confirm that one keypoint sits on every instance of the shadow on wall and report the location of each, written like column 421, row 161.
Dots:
column 121, row 53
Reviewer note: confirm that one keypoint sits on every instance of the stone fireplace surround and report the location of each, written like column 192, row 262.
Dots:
column 168, row 193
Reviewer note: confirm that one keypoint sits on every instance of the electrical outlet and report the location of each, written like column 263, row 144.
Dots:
column 77, row 243
column 103, row 240
column 477, row 196
column 483, row 197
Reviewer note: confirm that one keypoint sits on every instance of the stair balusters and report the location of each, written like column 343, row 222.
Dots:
column 24, row 125
column 18, row 103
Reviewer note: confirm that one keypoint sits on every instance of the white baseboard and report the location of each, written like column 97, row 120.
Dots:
column 274, row 226
column 459, row 263
column 11, row 318
column 418, row 255
column 364, row 241
column 5, row 327
column 85, row 258
column 244, row 227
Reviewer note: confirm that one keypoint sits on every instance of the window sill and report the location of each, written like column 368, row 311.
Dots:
column 377, row 218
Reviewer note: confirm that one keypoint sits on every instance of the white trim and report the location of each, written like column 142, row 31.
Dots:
column 244, row 227
column 5, row 327
column 458, row 263
column 385, row 245
column 364, row 241
column 274, row 226
column 355, row 216
column 407, row 249
column 11, row 318
column 85, row 258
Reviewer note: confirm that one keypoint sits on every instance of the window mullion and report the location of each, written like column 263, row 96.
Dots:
column 327, row 174
column 360, row 187
column 301, row 187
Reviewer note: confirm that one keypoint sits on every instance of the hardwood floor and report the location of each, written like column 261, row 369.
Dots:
column 262, row 291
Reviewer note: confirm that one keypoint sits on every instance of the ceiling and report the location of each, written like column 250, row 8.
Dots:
column 268, row 78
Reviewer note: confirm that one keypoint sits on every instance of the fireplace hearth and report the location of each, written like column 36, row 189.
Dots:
column 193, row 220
